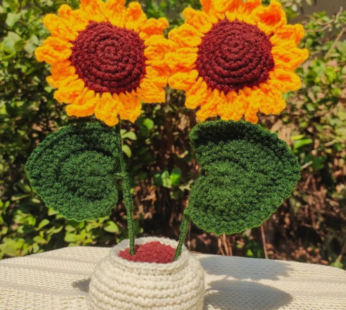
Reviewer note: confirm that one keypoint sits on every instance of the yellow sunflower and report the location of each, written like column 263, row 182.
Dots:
column 235, row 58
column 106, row 59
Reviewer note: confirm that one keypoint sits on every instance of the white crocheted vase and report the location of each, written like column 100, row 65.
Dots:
column 119, row 284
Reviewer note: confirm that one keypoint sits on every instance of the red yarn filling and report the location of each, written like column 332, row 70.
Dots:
column 108, row 58
column 234, row 55
column 151, row 252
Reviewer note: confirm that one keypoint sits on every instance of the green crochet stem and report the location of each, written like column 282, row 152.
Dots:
column 127, row 194
column 183, row 231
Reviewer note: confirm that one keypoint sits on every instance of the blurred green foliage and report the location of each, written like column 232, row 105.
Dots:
column 310, row 226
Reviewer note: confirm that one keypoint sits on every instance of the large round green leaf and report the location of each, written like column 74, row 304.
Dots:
column 248, row 172
column 74, row 170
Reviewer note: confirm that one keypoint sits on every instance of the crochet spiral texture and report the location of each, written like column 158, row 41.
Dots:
column 73, row 170
column 108, row 58
column 234, row 55
column 248, row 172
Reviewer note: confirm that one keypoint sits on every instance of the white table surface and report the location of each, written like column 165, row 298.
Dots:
column 59, row 280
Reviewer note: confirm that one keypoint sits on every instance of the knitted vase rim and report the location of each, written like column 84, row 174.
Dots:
column 169, row 267
column 118, row 283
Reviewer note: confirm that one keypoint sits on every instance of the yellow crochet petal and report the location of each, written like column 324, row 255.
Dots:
column 209, row 8
column 238, row 10
column 75, row 18
column 149, row 92
column 234, row 15
column 288, row 33
column 271, row 100
column 68, row 93
column 250, row 5
column 223, row 6
column 197, row 19
column 207, row 5
column 156, row 47
column 61, row 82
column 130, row 107
column 269, row 18
column 182, row 59
column 240, row 104
column 288, row 56
column 284, row 80
column 152, row 27
column 159, row 77
column 52, row 82
column 253, row 99
column 54, row 50
column 95, row 10
column 115, row 12
column 114, row 5
column 135, row 16
column 183, row 80
column 84, row 105
column 233, row 107
column 197, row 94
column 185, row 36
column 209, row 108
column 62, row 69
column 60, row 72
column 60, row 28
column 107, row 108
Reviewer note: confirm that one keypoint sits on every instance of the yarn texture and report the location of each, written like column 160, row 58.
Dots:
column 105, row 59
column 247, row 173
column 74, row 170
column 235, row 58
column 151, row 252
column 243, row 48
column 99, row 54
column 121, row 284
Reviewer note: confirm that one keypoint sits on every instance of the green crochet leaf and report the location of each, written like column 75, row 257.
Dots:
column 74, row 169
column 248, row 172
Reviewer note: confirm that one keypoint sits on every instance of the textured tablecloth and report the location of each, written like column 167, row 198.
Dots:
column 59, row 280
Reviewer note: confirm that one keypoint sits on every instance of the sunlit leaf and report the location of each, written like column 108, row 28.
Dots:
column 111, row 227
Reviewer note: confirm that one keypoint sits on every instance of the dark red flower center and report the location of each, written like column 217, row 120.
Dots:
column 234, row 55
column 151, row 252
column 108, row 58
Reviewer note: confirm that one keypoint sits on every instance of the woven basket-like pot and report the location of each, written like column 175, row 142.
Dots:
column 119, row 284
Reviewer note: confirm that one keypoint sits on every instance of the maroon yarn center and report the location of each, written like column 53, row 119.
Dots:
column 234, row 55
column 151, row 252
column 108, row 58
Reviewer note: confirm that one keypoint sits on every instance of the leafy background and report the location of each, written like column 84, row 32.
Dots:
column 308, row 227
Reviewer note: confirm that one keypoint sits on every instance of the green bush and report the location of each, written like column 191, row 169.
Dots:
column 310, row 226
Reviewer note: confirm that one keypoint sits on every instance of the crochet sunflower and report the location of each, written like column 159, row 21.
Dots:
column 105, row 59
column 235, row 58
